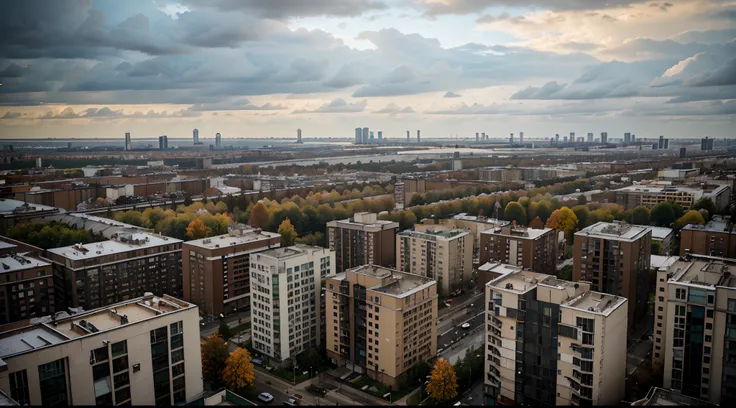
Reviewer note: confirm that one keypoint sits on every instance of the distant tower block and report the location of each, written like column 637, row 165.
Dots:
column 298, row 135
column 477, row 135
column 218, row 140
column 511, row 138
column 484, row 136
column 521, row 137
column 590, row 137
column 358, row 133
column 604, row 137
column 364, row 135
column 419, row 137
column 380, row 136
column 39, row 162
column 128, row 143
column 195, row 136
column 407, row 135
column 572, row 137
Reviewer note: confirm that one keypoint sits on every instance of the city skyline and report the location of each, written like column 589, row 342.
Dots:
column 99, row 69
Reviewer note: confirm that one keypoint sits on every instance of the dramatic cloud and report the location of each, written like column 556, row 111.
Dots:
column 293, row 8
column 436, row 7
column 338, row 105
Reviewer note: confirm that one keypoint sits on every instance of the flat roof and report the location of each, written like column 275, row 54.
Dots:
column 614, row 230
column 432, row 234
column 661, row 397
column 518, row 232
column 660, row 261
column 596, row 302
column 498, row 267
column 400, row 284
column 19, row 262
column 704, row 272
column 697, row 191
column 289, row 252
column 8, row 205
column 660, row 232
column 717, row 224
column 7, row 245
column 236, row 237
column 114, row 246
column 482, row 220
column 518, row 281
column 46, row 333
column 376, row 223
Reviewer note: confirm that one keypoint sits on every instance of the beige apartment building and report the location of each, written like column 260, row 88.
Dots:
column 26, row 286
column 362, row 240
column 652, row 194
column 445, row 256
column 143, row 351
column 615, row 258
column 716, row 238
column 473, row 224
column 553, row 342
column 533, row 249
column 695, row 328
column 216, row 270
column 381, row 322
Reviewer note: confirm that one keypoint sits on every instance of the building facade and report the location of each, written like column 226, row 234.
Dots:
column 553, row 342
column 695, row 328
column 686, row 196
column 216, row 270
column 445, row 256
column 716, row 238
column 125, row 267
column 615, row 258
column 26, row 286
column 473, row 224
column 381, row 322
column 285, row 301
column 362, row 240
column 533, row 249
column 143, row 351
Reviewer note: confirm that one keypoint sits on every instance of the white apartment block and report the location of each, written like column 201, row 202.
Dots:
column 553, row 342
column 286, row 302
column 143, row 351
column 445, row 256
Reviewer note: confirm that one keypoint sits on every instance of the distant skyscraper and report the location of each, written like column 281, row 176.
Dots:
column 521, row 137
column 163, row 142
column 407, row 135
column 706, row 143
column 69, row 145
column 590, row 137
column 358, row 137
column 419, row 138
column 218, row 140
column 604, row 137
column 364, row 135
column 664, row 143
column 39, row 162
column 572, row 137
column 511, row 138
column 483, row 136
column 477, row 136
column 564, row 139
column 633, row 138
column 380, row 136
column 195, row 136
column 298, row 135
column 128, row 143
column 627, row 137
column 371, row 139
column 557, row 137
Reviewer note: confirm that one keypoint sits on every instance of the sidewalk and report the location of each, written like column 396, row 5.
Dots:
column 332, row 397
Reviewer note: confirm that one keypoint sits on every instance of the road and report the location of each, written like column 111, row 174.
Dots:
column 454, row 334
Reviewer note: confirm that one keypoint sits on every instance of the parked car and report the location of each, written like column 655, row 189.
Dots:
column 288, row 403
column 448, row 301
column 265, row 397
column 465, row 325
column 316, row 390
column 256, row 361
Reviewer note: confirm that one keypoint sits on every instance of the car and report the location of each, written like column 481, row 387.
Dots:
column 288, row 403
column 298, row 396
column 265, row 397
column 316, row 390
column 256, row 361
column 465, row 325
column 293, row 401
column 439, row 351
column 448, row 301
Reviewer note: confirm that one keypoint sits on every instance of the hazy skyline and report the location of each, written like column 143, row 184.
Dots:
column 250, row 68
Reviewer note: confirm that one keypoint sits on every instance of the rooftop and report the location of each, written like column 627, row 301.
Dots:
column 432, row 234
column 480, row 219
column 717, row 224
column 661, row 397
column 519, row 281
column 48, row 332
column 697, row 191
column 400, row 284
column 7, row 245
column 364, row 219
column 289, row 252
column 521, row 232
column 659, row 261
column 614, row 230
column 500, row 268
column 704, row 271
column 238, row 235
column 8, row 206
column 97, row 225
column 596, row 302
column 125, row 242
column 19, row 262
column 659, row 232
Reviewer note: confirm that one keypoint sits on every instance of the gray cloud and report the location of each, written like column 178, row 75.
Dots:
column 451, row 94
column 11, row 115
column 338, row 105
column 434, row 8
column 394, row 109
column 281, row 9
column 706, row 37
column 723, row 76
column 237, row 105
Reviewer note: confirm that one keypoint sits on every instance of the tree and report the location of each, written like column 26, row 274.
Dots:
column 197, row 229
column 258, row 216
column 288, row 233
column 563, row 219
column 705, row 203
column 442, row 385
column 640, row 215
column 238, row 373
column 582, row 199
column 662, row 215
column 225, row 331
column 690, row 217
column 536, row 223
column 515, row 212
column 309, row 358
column 581, row 211
column 214, row 355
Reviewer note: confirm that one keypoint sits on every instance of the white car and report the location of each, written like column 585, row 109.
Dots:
column 465, row 325
column 265, row 397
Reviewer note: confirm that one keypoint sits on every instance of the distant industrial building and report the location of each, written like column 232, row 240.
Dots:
column 362, row 240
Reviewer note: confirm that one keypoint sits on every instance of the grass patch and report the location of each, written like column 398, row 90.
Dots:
column 414, row 399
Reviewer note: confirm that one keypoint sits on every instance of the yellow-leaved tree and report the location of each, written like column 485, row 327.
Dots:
column 197, row 229
column 442, row 385
column 288, row 233
column 238, row 372
column 564, row 219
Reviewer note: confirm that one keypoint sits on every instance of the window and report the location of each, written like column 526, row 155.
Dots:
column 567, row 331
column 177, row 356
column 121, row 380
column 732, row 305
column 177, row 370
column 52, row 382
column 118, row 349
column 120, row 364
column 98, row 355
column 19, row 387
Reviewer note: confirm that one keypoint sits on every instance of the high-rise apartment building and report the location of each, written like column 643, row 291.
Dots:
column 419, row 138
column 195, row 136
column 533, row 249
column 372, row 139
column 128, row 143
column 218, row 141
column 380, row 136
column 553, row 342
column 143, row 351
column 716, row 238
column 627, row 137
column 590, row 137
column 477, row 137
column 163, row 142
column 471, row 223
column 216, row 270
column 695, row 328
column 285, row 301
column 407, row 135
column 365, row 135
column 298, row 135
column 445, row 256
column 381, row 322
column 362, row 240
column 484, row 137
column 521, row 137
column 572, row 137
column 615, row 259
column 26, row 287
column 103, row 273
column 604, row 137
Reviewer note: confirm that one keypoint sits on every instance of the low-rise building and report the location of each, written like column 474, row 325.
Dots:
column 533, row 249
column 663, row 241
column 473, row 224
column 716, row 238
column 102, row 273
column 652, row 194
column 216, row 270
column 445, row 256
column 381, row 322
column 13, row 212
column 285, row 300
column 362, row 240
column 553, row 342
column 26, row 286
column 143, row 351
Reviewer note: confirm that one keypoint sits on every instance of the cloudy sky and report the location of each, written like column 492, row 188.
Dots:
column 262, row 68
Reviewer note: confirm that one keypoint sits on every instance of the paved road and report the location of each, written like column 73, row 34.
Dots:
column 457, row 351
column 456, row 333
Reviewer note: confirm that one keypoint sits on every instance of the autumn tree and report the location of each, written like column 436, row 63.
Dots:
column 690, row 217
column 442, row 385
column 214, row 355
column 662, row 215
column 536, row 223
column 197, row 229
column 640, row 215
column 288, row 233
column 563, row 219
column 515, row 212
column 258, row 216
column 238, row 373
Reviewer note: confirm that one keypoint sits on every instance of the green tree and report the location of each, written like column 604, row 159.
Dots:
column 705, row 203
column 581, row 211
column 288, row 233
column 515, row 212
column 309, row 358
column 640, row 215
column 442, row 385
column 258, row 216
column 582, row 199
column 225, row 331
column 662, row 215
